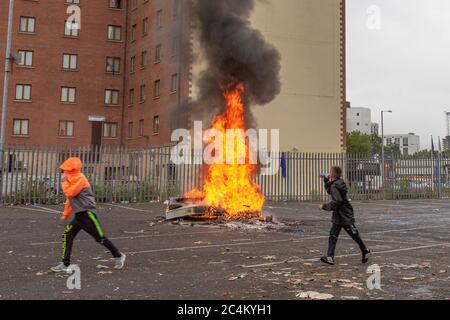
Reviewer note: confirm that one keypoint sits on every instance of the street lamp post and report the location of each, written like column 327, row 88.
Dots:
column 5, row 92
column 6, row 79
column 382, row 147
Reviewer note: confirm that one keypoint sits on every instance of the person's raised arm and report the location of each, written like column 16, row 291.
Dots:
column 336, row 200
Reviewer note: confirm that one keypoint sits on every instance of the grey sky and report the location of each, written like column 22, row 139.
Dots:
column 404, row 66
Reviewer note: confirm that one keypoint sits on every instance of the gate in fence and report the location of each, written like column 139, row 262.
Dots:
column 31, row 175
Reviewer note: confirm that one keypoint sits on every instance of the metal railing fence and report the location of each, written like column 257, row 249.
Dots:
column 31, row 175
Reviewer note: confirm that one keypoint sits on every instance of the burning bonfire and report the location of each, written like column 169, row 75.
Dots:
column 229, row 47
column 229, row 187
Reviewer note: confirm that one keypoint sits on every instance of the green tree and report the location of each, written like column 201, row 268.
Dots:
column 376, row 142
column 358, row 143
column 422, row 154
column 392, row 149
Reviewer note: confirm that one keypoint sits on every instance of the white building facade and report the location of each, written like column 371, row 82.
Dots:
column 409, row 143
column 359, row 119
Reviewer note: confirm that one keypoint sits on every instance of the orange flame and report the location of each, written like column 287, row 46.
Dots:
column 229, row 186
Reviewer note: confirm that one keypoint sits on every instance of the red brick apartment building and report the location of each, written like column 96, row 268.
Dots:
column 119, row 80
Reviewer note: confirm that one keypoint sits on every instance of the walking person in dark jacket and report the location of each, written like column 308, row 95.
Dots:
column 343, row 217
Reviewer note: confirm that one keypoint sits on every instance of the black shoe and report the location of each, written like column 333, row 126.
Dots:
column 328, row 260
column 365, row 256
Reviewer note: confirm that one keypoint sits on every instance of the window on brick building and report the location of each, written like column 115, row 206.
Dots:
column 113, row 65
column 115, row 4
column 21, row 127
column 144, row 59
column 157, row 88
column 68, row 95
column 110, row 130
column 133, row 64
column 66, row 128
column 134, row 4
column 114, row 33
column 159, row 17
column 131, row 97
column 71, row 29
column 156, row 125
column 142, row 95
column 27, row 24
column 130, row 130
column 158, row 51
column 70, row 61
column 145, row 26
column 25, row 58
column 112, row 97
column 73, row 1
column 23, row 92
column 133, row 32
column 141, row 128
column 174, row 83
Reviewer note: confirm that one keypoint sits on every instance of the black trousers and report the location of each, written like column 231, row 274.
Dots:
column 88, row 222
column 334, row 236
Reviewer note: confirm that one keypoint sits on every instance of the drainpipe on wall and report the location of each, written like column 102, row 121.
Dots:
column 125, row 63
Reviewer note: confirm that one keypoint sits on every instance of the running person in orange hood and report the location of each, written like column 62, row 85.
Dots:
column 81, row 203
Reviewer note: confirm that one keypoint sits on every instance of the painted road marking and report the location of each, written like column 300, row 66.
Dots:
column 133, row 237
column 209, row 246
column 345, row 256
column 128, row 208
column 31, row 209
column 248, row 244
column 48, row 209
column 221, row 231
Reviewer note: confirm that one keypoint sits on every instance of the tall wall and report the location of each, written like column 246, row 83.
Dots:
column 310, row 35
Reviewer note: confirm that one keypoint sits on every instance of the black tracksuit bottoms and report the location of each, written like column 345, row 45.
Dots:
column 88, row 222
column 352, row 232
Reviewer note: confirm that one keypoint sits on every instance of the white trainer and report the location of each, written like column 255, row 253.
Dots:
column 119, row 262
column 60, row 268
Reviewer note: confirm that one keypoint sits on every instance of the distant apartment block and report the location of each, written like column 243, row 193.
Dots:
column 409, row 143
column 446, row 143
column 375, row 129
column 359, row 119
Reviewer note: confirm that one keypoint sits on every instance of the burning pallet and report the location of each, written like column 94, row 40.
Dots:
column 177, row 208
column 195, row 208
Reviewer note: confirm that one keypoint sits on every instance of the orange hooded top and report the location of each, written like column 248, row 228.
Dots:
column 74, row 183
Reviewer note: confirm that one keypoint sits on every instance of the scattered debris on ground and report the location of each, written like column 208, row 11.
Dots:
column 314, row 295
column 269, row 224
column 101, row 267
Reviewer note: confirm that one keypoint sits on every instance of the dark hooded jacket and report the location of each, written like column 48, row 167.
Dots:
column 339, row 204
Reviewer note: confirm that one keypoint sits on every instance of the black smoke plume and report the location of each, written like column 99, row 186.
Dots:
column 233, row 50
